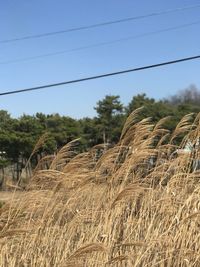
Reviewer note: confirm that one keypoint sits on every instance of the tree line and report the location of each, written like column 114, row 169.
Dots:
column 19, row 135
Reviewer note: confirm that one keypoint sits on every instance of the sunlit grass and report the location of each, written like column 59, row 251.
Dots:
column 135, row 204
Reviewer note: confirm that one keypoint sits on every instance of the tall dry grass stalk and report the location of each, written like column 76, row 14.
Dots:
column 134, row 204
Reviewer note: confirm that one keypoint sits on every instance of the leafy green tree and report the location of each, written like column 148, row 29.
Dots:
column 63, row 129
column 152, row 108
column 110, row 118
column 89, row 132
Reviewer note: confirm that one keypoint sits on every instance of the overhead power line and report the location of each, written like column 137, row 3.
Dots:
column 101, row 24
column 99, row 44
column 101, row 75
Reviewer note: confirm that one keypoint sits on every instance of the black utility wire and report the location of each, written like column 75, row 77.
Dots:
column 25, row 59
column 102, row 24
column 101, row 75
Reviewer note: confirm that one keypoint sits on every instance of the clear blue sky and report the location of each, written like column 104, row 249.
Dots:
column 22, row 17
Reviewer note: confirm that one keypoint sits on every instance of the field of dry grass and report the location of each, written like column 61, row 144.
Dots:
column 134, row 204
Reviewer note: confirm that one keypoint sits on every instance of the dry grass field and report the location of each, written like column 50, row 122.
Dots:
column 134, row 204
